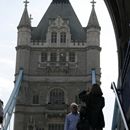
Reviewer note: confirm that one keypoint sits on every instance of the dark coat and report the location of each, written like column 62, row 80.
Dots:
column 95, row 106
column 83, row 123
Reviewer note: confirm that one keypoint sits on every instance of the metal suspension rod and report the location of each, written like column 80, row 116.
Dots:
column 8, row 110
column 93, row 76
column 126, row 61
column 119, row 105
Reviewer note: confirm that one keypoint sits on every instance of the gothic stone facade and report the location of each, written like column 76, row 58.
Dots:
column 57, row 57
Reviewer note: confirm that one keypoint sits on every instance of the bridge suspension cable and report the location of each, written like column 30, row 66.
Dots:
column 118, row 102
column 93, row 76
column 8, row 110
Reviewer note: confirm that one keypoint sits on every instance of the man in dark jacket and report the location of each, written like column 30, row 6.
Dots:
column 93, row 110
column 95, row 106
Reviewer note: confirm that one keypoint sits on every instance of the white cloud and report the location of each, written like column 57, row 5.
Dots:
column 6, row 87
column 7, row 62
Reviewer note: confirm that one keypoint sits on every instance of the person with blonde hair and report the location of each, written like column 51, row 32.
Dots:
column 72, row 118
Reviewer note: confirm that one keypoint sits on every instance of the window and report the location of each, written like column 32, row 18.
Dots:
column 55, row 127
column 57, row 96
column 43, row 57
column 35, row 99
column 53, row 37
column 63, row 37
column 72, row 57
column 53, row 57
column 62, row 57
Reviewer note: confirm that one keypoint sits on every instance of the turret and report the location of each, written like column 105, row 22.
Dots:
column 93, row 29
column 93, row 44
column 23, row 42
column 24, row 28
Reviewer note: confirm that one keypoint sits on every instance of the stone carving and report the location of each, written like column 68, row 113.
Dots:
column 58, row 67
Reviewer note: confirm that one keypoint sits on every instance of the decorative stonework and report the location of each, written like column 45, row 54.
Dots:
column 58, row 25
column 65, row 68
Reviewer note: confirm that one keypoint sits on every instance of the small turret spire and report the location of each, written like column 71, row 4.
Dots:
column 31, row 18
column 93, row 21
column 25, row 20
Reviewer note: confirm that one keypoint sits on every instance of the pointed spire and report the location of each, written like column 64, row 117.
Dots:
column 60, row 1
column 30, row 18
column 93, row 21
column 25, row 20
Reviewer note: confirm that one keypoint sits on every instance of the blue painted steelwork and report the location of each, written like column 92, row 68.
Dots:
column 113, row 86
column 115, row 116
column 8, row 110
column 123, row 80
column 93, row 76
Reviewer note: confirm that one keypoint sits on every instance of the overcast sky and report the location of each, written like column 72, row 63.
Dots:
column 10, row 14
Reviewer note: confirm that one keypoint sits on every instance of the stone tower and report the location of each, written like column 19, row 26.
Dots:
column 57, row 57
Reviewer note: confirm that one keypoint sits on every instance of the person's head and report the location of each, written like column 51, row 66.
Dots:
column 96, row 90
column 82, row 96
column 74, row 107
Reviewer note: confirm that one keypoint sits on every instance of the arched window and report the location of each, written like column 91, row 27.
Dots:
column 63, row 37
column 57, row 96
column 53, row 37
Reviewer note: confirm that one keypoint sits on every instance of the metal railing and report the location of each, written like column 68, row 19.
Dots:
column 93, row 76
column 118, row 108
column 118, row 102
column 8, row 110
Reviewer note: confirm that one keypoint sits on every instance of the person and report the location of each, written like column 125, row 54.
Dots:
column 83, row 123
column 95, row 106
column 72, row 118
column 1, row 113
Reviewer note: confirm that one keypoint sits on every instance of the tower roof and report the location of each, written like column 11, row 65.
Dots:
column 63, row 9
column 60, row 1
column 25, row 20
column 93, row 21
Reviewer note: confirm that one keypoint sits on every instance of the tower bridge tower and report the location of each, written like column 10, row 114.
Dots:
column 57, row 57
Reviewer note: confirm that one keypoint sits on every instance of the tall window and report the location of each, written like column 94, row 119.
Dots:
column 55, row 127
column 63, row 37
column 53, row 37
column 43, row 57
column 57, row 96
column 62, row 57
column 53, row 57
column 35, row 99
column 72, row 57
